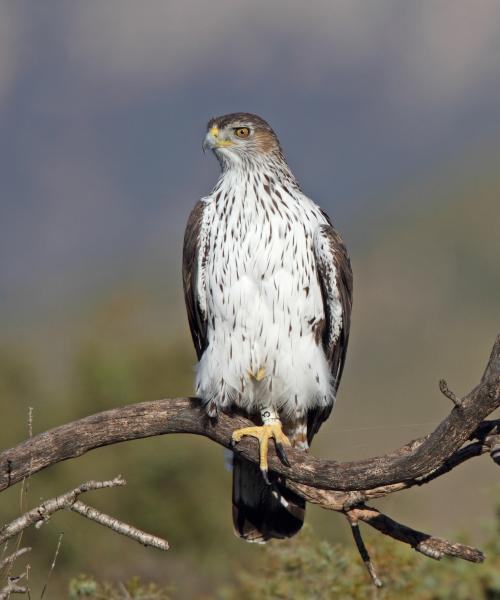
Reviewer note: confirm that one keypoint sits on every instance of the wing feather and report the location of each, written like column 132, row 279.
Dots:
column 334, row 272
column 193, row 274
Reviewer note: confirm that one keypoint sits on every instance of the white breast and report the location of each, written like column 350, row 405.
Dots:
column 263, row 301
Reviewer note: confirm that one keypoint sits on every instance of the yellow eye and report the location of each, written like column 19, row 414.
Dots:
column 242, row 132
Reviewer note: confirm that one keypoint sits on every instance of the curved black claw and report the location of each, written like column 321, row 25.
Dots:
column 265, row 476
column 281, row 452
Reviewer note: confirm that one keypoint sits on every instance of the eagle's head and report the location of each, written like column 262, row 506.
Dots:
column 241, row 138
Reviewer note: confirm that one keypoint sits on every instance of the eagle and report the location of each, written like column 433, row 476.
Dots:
column 268, row 291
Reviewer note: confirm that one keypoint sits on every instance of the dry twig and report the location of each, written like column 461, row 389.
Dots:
column 52, row 566
column 445, row 390
column 146, row 539
column 424, row 543
column 363, row 552
column 13, row 587
column 9, row 560
column 42, row 513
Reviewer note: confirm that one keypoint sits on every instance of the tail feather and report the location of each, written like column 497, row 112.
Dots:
column 261, row 511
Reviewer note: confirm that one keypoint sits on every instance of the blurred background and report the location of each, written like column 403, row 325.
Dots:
column 389, row 114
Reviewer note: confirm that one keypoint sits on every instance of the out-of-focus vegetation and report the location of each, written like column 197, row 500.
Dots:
column 135, row 589
column 427, row 296
column 309, row 568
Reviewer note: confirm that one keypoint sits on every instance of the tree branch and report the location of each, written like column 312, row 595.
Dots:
column 424, row 543
column 183, row 415
column 39, row 515
column 360, row 545
column 9, row 560
column 13, row 587
column 343, row 487
column 342, row 501
column 445, row 390
column 146, row 539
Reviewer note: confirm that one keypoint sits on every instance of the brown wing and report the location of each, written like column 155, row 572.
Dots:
column 193, row 262
column 335, row 279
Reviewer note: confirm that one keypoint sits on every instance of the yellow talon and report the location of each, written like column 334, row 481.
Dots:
column 263, row 434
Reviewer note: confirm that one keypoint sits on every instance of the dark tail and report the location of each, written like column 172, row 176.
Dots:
column 261, row 511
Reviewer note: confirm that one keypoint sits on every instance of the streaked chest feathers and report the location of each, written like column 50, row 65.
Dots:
column 263, row 300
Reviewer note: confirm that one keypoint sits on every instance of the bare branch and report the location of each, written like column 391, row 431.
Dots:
column 352, row 505
column 183, row 415
column 445, row 390
column 363, row 552
column 343, row 487
column 43, row 512
column 146, row 539
column 9, row 560
column 13, row 587
column 341, row 501
column 433, row 547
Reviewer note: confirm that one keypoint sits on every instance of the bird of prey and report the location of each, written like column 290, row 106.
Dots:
column 268, row 290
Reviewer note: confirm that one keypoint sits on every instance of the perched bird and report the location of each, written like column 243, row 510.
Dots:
column 268, row 290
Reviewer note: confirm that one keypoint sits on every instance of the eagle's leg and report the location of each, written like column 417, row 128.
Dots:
column 271, row 428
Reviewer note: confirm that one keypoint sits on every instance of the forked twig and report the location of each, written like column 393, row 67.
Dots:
column 424, row 543
column 13, row 587
column 39, row 515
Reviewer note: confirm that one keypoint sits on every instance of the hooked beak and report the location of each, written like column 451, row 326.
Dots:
column 213, row 140
column 208, row 142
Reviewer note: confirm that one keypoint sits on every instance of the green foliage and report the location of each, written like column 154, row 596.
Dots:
column 87, row 587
